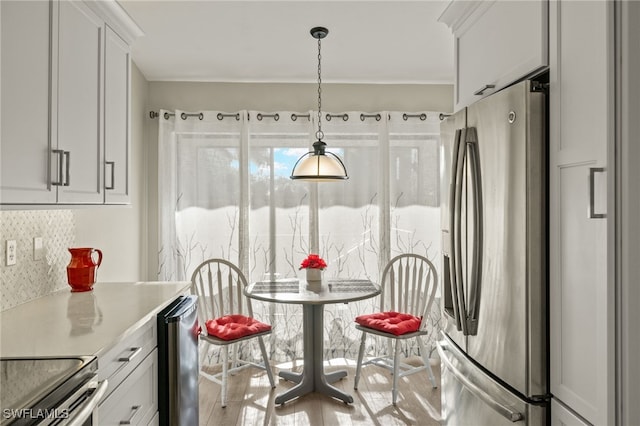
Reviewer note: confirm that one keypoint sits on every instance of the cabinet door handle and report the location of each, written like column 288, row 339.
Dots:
column 60, row 154
column 134, row 411
column 592, row 193
column 67, row 179
column 484, row 88
column 134, row 353
column 113, row 174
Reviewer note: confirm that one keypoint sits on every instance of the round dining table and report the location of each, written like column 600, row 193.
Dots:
column 312, row 295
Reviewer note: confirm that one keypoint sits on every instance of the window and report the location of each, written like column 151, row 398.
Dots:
column 232, row 198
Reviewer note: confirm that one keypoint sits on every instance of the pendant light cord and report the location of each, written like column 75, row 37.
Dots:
column 318, row 165
column 319, row 133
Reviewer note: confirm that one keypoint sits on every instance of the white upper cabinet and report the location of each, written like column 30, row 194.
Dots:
column 65, row 102
column 116, row 117
column 25, row 141
column 496, row 44
column 581, row 286
column 79, row 107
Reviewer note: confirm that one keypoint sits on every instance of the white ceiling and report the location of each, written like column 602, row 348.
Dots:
column 268, row 41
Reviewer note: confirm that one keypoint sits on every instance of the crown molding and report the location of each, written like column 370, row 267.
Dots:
column 117, row 19
column 460, row 14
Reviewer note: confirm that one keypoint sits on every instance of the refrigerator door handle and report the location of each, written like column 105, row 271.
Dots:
column 477, row 236
column 456, row 226
column 454, row 216
column 505, row 411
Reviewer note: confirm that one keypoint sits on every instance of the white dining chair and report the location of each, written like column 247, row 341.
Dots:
column 226, row 318
column 408, row 284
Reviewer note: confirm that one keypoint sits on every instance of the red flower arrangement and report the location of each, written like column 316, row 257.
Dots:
column 313, row 261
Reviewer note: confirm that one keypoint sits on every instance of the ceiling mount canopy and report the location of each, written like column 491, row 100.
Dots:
column 319, row 165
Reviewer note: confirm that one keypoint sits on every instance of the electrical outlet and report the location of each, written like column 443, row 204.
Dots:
column 38, row 248
column 11, row 252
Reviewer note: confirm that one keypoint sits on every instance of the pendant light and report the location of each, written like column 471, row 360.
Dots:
column 319, row 165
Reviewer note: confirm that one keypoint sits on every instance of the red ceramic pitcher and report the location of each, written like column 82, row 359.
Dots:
column 83, row 268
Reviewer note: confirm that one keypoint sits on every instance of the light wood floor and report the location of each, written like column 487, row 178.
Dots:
column 251, row 400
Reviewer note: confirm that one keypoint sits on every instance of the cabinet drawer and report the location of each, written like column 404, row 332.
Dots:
column 124, row 357
column 155, row 421
column 135, row 401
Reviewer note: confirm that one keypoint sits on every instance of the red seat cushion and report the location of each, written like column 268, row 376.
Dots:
column 231, row 327
column 395, row 323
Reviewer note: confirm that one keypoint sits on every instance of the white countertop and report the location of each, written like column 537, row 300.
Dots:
column 87, row 323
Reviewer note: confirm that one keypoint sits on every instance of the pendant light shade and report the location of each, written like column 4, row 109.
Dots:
column 318, row 165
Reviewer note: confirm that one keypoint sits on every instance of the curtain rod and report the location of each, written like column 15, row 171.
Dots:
column 294, row 117
column 184, row 115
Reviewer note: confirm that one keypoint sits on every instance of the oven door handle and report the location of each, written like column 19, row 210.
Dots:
column 89, row 406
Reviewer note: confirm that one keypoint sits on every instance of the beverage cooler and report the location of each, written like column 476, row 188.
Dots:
column 178, row 372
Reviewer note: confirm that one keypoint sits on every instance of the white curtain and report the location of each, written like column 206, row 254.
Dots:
column 224, row 191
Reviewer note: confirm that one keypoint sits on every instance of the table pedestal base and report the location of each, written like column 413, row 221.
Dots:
column 312, row 378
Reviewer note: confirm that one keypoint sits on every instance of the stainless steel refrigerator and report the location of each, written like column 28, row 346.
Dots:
column 494, row 343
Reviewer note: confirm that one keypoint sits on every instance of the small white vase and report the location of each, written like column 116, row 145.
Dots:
column 314, row 274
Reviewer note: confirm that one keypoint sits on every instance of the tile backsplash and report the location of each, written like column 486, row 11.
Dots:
column 29, row 279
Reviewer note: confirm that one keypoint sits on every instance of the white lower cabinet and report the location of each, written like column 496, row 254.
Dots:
column 135, row 401
column 131, row 367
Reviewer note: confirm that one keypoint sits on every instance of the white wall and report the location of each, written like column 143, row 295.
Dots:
column 300, row 97
column 120, row 231
column 231, row 97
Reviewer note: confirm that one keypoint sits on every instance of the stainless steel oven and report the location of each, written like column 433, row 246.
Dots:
column 49, row 391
